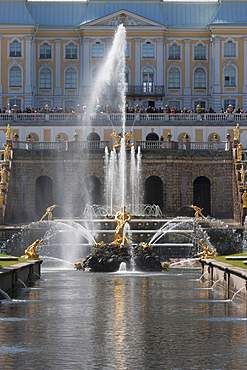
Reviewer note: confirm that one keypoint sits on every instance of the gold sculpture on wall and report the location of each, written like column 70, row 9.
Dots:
column 117, row 138
column 127, row 138
column 48, row 213
column 122, row 217
column 30, row 252
column 239, row 152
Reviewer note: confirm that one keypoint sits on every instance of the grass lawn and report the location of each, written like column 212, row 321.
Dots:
column 235, row 263
column 9, row 263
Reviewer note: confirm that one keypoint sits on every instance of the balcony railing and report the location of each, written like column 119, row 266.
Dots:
column 144, row 145
column 181, row 145
column 60, row 145
column 99, row 118
column 141, row 90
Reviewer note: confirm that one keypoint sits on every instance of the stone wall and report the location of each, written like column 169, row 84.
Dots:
column 68, row 170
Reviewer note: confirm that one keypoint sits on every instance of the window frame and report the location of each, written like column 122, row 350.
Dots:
column 198, row 78
column 45, row 87
column 227, row 77
column 73, row 84
column 230, row 44
column 98, row 50
column 12, row 81
column 174, row 51
column 200, row 51
column 148, row 50
column 169, row 79
column 73, row 55
column 42, row 45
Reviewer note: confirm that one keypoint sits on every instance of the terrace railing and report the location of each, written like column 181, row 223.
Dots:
column 104, row 117
column 100, row 145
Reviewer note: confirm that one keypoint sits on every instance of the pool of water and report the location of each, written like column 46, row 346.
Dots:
column 78, row 320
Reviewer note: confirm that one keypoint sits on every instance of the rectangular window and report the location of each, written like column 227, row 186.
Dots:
column 148, row 51
column 174, row 52
column 229, row 49
column 45, row 51
column 200, row 52
column 97, row 51
column 127, row 51
column 71, row 51
column 15, row 49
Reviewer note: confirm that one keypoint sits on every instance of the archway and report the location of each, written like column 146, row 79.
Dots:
column 201, row 194
column 153, row 193
column 43, row 194
column 152, row 136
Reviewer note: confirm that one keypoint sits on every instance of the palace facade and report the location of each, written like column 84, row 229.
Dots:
column 178, row 54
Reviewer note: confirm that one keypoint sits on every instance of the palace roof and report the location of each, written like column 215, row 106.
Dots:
column 170, row 14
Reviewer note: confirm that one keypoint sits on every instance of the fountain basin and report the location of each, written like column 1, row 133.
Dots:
column 109, row 257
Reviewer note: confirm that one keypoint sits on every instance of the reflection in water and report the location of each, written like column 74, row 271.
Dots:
column 122, row 321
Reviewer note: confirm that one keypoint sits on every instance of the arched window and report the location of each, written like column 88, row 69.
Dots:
column 45, row 78
column 229, row 76
column 71, row 51
column 152, row 136
column 174, row 78
column 148, row 80
column 200, row 78
column 71, row 78
column 15, row 79
column 93, row 136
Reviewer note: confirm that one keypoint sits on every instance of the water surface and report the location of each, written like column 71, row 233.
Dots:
column 79, row 320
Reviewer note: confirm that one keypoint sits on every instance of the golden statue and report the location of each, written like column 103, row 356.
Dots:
column 7, row 152
column 236, row 132
column 122, row 217
column 118, row 139
column 30, row 252
column 145, row 245
column 127, row 138
column 239, row 152
column 78, row 265
column 198, row 212
column 207, row 252
column 98, row 245
column 8, row 132
column 244, row 199
column 2, row 198
column 4, row 174
column 242, row 175
column 48, row 213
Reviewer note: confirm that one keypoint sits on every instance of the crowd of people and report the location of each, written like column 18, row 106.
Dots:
column 136, row 109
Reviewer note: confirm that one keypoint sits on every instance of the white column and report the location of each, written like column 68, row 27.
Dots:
column 187, row 79
column 137, row 62
column 28, row 72
column 57, row 90
column 216, row 74
column 160, row 61
column 85, row 58
column 217, row 71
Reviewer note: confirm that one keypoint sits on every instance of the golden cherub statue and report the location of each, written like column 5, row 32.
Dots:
column 236, row 132
column 122, row 217
column 48, row 212
column 30, row 252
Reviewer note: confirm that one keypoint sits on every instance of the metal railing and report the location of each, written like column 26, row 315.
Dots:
column 104, row 117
